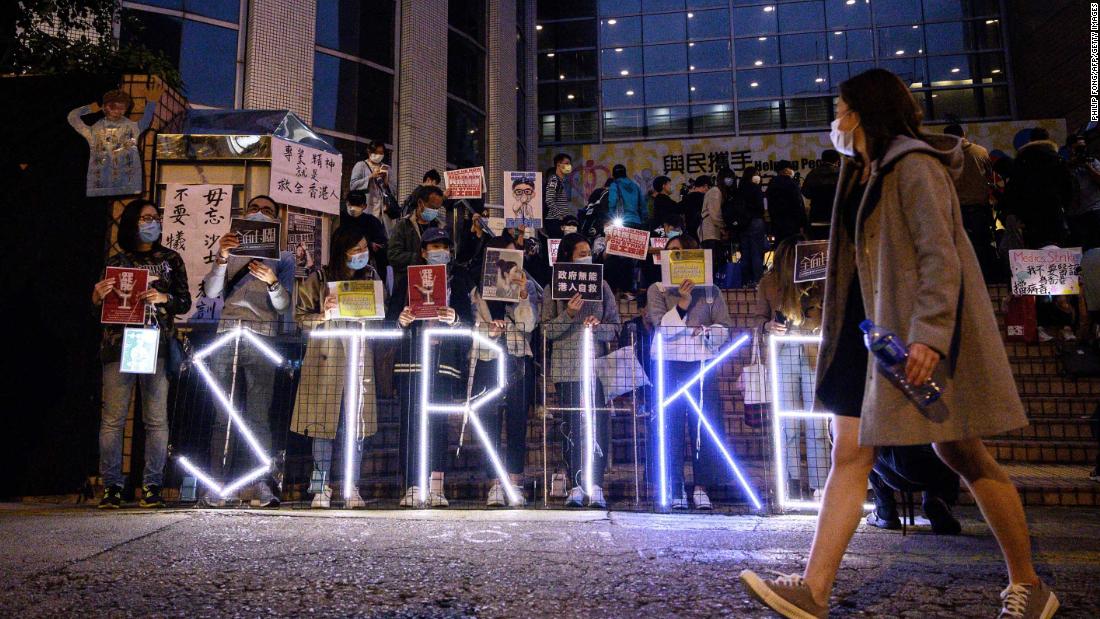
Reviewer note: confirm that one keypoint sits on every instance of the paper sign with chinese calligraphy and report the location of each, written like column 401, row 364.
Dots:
column 657, row 242
column 427, row 290
column 627, row 242
column 465, row 183
column 811, row 260
column 523, row 199
column 195, row 218
column 303, row 238
column 680, row 264
column 552, row 246
column 259, row 239
column 305, row 177
column 570, row 278
column 121, row 306
column 357, row 299
column 502, row 275
column 1045, row 271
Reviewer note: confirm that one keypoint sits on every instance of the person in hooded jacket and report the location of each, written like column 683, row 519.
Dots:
column 1040, row 191
column 785, row 206
column 627, row 205
column 899, row 256
column 820, row 189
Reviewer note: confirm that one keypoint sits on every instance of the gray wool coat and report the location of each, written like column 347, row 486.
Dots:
column 920, row 278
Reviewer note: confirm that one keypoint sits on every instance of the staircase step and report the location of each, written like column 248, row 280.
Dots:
column 1044, row 451
column 1060, row 406
column 1055, row 484
column 1032, row 385
column 1056, row 428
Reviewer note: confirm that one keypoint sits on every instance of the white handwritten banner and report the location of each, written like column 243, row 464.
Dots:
column 1045, row 271
column 627, row 242
column 195, row 218
column 304, row 176
column 465, row 182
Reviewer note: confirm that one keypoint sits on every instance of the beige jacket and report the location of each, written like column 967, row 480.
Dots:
column 920, row 278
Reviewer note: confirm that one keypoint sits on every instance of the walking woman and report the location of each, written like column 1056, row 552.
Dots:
column 319, row 407
column 899, row 256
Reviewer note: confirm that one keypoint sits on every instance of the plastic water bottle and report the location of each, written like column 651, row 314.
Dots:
column 891, row 355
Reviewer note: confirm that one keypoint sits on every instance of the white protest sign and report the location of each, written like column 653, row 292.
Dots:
column 305, row 176
column 465, row 183
column 1045, row 271
column 195, row 218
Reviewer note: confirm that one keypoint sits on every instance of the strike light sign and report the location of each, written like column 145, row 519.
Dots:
column 1045, row 271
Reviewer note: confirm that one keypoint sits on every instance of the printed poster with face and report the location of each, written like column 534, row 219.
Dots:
column 523, row 199
column 427, row 290
column 303, row 238
column 259, row 239
column 121, row 306
column 502, row 275
column 570, row 278
column 139, row 351
column 627, row 242
column 811, row 261
column 465, row 182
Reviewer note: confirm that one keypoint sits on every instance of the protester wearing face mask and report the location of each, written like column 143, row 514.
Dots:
column 139, row 237
column 318, row 408
column 448, row 365
column 535, row 248
column 663, row 204
column 785, row 206
column 373, row 176
column 404, row 245
column 255, row 296
column 564, row 324
column 557, row 197
column 753, row 236
column 722, row 218
column 355, row 216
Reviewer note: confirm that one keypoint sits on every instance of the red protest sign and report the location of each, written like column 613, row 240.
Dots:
column 627, row 242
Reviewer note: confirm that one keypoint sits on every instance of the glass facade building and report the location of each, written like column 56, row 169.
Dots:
column 633, row 69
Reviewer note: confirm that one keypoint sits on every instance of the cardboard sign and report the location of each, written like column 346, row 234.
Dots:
column 658, row 242
column 502, row 275
column 195, row 218
column 1045, row 271
column 465, row 183
column 139, row 351
column 122, row 307
column 303, row 238
column 304, row 176
column 259, row 239
column 627, row 242
column 357, row 299
column 570, row 278
column 680, row 264
column 427, row 290
column 523, row 199
column 552, row 246
column 811, row 261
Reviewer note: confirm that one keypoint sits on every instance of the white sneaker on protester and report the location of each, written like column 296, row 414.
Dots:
column 323, row 499
column 411, row 498
column 576, row 497
column 557, row 486
column 437, row 499
column 1068, row 335
column 435, row 491
column 596, row 498
column 1043, row 335
column 521, row 501
column 680, row 501
column 496, row 496
column 355, row 501
column 700, row 498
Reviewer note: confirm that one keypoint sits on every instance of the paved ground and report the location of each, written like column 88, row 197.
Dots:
column 64, row 561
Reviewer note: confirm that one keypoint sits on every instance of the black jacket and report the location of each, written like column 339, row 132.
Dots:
column 820, row 189
column 1039, row 192
column 452, row 360
column 788, row 213
column 171, row 274
column 693, row 212
column 753, row 198
column 663, row 208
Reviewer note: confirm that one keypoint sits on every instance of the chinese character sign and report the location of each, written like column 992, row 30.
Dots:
column 552, row 246
column 121, row 305
column 811, row 260
column 465, row 183
column 195, row 218
column 657, row 242
column 259, row 239
column 523, row 199
column 305, row 177
column 427, row 290
column 357, row 299
column 571, row 278
column 1045, row 271
column 627, row 242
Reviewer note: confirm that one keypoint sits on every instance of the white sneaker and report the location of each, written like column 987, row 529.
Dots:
column 1068, row 335
column 496, row 496
column 596, row 498
column 438, row 500
column 576, row 497
column 700, row 498
column 411, row 498
column 323, row 499
column 521, row 501
column 819, row 494
column 557, row 486
column 680, row 501
column 435, row 492
column 1043, row 335
column 355, row 501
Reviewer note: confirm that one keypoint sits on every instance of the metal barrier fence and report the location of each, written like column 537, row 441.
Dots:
column 497, row 414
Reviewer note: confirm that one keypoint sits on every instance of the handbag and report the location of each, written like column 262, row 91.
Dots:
column 754, row 377
column 620, row 372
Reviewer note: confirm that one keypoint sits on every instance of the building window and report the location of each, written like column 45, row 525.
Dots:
column 361, row 29
column 466, row 74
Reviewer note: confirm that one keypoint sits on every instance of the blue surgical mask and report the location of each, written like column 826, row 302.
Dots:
column 149, row 232
column 439, row 256
column 585, row 260
column 673, row 234
column 429, row 214
column 258, row 216
column 359, row 261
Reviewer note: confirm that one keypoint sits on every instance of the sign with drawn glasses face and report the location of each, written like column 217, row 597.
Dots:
column 523, row 199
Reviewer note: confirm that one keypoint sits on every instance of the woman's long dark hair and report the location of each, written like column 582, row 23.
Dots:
column 128, row 224
column 569, row 242
column 727, row 192
column 885, row 106
column 343, row 239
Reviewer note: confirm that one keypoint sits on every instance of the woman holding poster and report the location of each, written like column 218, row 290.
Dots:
column 899, row 256
column 694, row 322
column 564, row 323
column 166, row 296
column 318, row 406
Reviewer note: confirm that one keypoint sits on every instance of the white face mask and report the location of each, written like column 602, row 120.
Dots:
column 355, row 211
column 843, row 141
column 376, row 158
column 585, row 260
column 568, row 229
column 756, row 179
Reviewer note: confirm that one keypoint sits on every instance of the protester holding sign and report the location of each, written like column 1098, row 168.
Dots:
column 510, row 325
column 627, row 208
column 694, row 323
column 404, row 246
column 318, row 410
column 447, row 366
column 255, row 296
column 564, row 323
column 167, row 295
